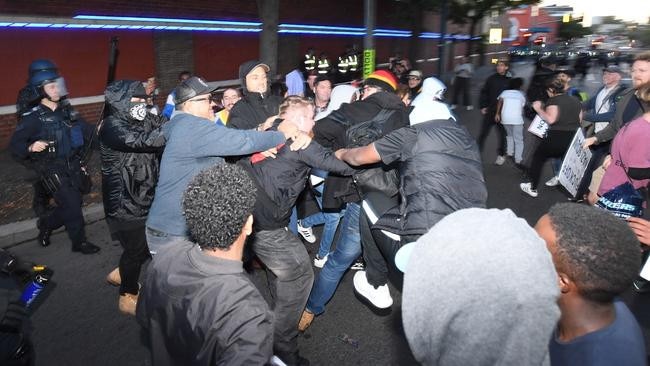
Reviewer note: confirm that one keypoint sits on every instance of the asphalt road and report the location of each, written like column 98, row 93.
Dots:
column 78, row 322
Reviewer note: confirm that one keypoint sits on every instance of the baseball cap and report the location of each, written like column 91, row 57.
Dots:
column 613, row 69
column 416, row 74
column 190, row 88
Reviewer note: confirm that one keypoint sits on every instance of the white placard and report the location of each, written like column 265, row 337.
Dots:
column 538, row 127
column 645, row 271
column 574, row 164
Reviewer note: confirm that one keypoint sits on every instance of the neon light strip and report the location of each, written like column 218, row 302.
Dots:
column 165, row 20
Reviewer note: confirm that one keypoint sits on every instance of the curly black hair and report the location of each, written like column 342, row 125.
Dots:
column 597, row 250
column 216, row 205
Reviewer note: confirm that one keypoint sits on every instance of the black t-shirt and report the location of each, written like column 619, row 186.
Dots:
column 569, row 112
column 397, row 145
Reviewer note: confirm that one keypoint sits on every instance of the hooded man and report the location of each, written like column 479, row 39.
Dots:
column 131, row 141
column 255, row 108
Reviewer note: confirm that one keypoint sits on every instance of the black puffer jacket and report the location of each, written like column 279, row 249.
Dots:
column 130, row 151
column 441, row 172
column 330, row 132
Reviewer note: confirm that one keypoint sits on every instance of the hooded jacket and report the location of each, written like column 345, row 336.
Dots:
column 130, row 152
column 254, row 108
column 331, row 133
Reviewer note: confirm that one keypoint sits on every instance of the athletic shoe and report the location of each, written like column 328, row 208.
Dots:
column 128, row 303
column 453, row 106
column 552, row 182
column 377, row 296
column 469, row 107
column 500, row 160
column 528, row 189
column 320, row 262
column 307, row 233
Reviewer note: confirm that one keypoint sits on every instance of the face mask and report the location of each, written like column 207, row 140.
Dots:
column 138, row 111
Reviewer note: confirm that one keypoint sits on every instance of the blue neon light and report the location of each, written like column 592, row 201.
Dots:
column 165, row 20
column 322, row 27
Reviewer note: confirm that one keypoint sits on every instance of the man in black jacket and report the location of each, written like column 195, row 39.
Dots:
column 257, row 109
column 490, row 92
column 131, row 142
column 280, row 181
column 378, row 95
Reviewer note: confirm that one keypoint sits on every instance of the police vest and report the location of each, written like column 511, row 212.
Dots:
column 310, row 62
column 343, row 65
column 323, row 66
column 353, row 62
column 60, row 129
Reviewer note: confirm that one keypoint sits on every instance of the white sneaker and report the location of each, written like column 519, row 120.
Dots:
column 307, row 233
column 527, row 188
column 469, row 107
column 320, row 262
column 379, row 297
column 453, row 106
column 552, row 182
column 500, row 160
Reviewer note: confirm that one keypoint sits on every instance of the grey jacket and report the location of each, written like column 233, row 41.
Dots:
column 202, row 310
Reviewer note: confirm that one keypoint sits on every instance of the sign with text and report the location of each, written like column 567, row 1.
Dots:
column 574, row 164
column 495, row 35
column 368, row 62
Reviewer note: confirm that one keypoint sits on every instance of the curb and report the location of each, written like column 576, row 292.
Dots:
column 20, row 232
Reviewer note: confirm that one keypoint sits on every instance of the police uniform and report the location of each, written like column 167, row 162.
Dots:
column 58, row 168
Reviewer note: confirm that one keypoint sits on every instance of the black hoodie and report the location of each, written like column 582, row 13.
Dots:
column 254, row 108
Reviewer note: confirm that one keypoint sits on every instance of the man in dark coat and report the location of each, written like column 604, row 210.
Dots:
column 490, row 92
column 131, row 142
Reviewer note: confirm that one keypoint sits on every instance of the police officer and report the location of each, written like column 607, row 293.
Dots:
column 50, row 140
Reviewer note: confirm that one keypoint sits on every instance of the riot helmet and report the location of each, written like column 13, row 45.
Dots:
column 41, row 65
column 41, row 78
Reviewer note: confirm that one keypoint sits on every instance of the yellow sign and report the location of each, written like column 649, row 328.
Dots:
column 495, row 35
column 566, row 18
column 368, row 62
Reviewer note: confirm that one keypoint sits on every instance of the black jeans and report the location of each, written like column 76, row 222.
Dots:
column 136, row 252
column 486, row 127
column 285, row 256
column 554, row 145
column 598, row 153
column 67, row 212
column 461, row 86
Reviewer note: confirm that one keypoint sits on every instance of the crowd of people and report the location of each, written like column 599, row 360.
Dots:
column 394, row 177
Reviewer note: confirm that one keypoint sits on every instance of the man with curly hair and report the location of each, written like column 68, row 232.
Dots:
column 596, row 257
column 197, row 305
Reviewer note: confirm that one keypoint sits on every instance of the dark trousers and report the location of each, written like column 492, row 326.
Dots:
column 379, row 251
column 554, row 145
column 285, row 256
column 461, row 86
column 136, row 252
column 67, row 212
column 486, row 127
column 598, row 153
column 41, row 200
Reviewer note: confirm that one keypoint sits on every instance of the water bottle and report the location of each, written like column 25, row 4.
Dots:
column 36, row 286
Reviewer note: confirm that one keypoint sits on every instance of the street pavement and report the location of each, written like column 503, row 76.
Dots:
column 78, row 323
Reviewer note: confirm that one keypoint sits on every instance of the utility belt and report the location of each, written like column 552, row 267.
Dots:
column 59, row 173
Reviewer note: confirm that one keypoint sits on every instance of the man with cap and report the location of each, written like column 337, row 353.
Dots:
column 483, row 296
column 596, row 257
column 50, row 139
column 340, row 192
column 599, row 111
column 195, row 142
column 254, row 110
column 414, row 80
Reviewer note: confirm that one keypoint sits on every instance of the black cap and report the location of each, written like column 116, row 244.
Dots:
column 190, row 88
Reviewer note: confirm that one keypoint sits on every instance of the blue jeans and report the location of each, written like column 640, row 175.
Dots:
column 158, row 240
column 348, row 248
column 331, row 221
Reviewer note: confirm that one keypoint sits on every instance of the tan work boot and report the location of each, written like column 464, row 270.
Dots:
column 305, row 320
column 114, row 277
column 127, row 303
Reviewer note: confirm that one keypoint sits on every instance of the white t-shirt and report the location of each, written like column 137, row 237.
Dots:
column 513, row 107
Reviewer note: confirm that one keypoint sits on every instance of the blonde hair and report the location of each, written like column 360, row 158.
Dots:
column 295, row 101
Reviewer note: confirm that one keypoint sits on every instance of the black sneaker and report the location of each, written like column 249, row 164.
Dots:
column 86, row 248
column 43, row 234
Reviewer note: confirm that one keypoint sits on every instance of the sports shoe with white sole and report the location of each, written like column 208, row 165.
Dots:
column 307, row 233
column 552, row 182
column 528, row 189
column 320, row 262
column 500, row 160
column 378, row 297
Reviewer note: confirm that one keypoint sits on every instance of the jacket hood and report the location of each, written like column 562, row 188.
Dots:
column 385, row 100
column 340, row 95
column 246, row 68
column 428, row 105
column 118, row 94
